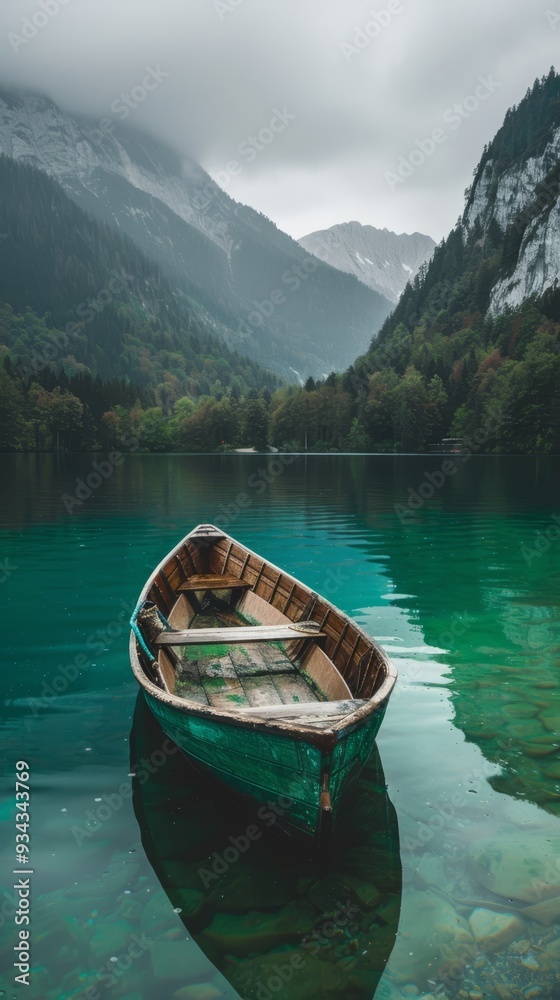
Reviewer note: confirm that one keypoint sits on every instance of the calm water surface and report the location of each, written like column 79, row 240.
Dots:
column 447, row 879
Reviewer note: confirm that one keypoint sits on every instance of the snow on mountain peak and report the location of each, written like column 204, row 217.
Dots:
column 376, row 256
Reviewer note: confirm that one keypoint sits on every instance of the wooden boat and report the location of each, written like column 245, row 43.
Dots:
column 226, row 896
column 261, row 682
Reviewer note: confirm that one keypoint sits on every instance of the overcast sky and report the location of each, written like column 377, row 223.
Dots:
column 357, row 93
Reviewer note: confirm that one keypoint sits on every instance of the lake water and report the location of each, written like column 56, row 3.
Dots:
column 137, row 888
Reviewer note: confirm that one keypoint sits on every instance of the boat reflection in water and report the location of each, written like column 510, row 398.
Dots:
column 263, row 915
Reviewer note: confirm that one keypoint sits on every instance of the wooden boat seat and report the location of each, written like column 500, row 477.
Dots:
column 319, row 710
column 228, row 636
column 212, row 581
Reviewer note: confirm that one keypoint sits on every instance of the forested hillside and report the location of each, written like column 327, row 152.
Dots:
column 263, row 295
column 82, row 309
column 451, row 361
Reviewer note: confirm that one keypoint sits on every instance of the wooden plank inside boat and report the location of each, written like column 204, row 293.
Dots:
column 311, row 711
column 259, row 661
column 212, row 581
column 187, row 682
column 224, row 692
column 261, row 691
column 217, row 667
column 293, row 688
column 219, row 636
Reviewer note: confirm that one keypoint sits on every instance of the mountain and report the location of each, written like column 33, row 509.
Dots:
column 516, row 188
column 77, row 295
column 472, row 349
column 262, row 293
column 481, row 326
column 382, row 260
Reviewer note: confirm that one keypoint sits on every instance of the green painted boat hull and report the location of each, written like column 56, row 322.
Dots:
column 303, row 766
column 227, row 887
column 274, row 773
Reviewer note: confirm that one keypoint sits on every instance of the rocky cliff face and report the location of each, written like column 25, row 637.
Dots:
column 381, row 259
column 91, row 163
column 523, row 199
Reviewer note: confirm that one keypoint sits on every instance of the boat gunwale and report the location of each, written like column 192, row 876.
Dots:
column 326, row 737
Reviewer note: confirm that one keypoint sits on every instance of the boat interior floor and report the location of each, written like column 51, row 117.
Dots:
column 224, row 676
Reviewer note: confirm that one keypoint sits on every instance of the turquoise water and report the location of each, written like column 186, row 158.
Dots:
column 461, row 585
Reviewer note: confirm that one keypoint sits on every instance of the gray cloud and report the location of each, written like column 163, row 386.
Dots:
column 232, row 63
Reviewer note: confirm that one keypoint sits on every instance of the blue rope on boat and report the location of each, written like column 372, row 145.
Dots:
column 136, row 629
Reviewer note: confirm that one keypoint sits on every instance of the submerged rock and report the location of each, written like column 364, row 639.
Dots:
column 376, row 945
column 517, row 867
column 549, row 960
column 430, row 872
column 158, row 916
column 520, row 709
column 527, row 730
column 244, row 887
column 547, row 912
column 389, row 913
column 181, row 960
column 111, row 939
column 433, row 941
column 494, row 931
column 198, row 991
column 529, row 962
column 328, row 893
column 289, row 975
column 540, row 748
column 258, row 932
column 117, row 878
column 374, row 868
column 550, row 718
